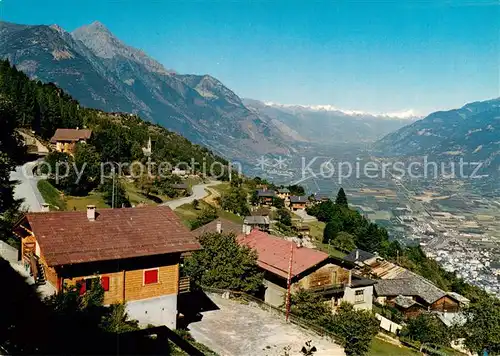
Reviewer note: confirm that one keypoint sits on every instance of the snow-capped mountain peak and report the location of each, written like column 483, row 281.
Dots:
column 406, row 114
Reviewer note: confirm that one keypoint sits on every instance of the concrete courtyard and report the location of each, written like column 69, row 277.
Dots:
column 246, row 329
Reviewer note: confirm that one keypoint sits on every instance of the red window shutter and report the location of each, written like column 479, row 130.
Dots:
column 83, row 286
column 105, row 283
column 151, row 276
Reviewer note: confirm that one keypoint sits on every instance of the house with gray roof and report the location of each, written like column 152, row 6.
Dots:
column 265, row 196
column 419, row 289
column 256, row 222
column 298, row 202
column 358, row 255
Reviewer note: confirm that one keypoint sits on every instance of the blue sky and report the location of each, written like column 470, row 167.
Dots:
column 371, row 56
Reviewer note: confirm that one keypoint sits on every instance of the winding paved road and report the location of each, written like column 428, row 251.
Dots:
column 198, row 192
column 27, row 189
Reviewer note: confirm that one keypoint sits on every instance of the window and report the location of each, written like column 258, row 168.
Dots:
column 88, row 283
column 359, row 296
column 151, row 276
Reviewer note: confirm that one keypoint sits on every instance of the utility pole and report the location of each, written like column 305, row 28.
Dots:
column 289, row 283
column 113, row 189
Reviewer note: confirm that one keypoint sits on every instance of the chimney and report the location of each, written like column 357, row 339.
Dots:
column 45, row 207
column 91, row 212
column 357, row 255
column 219, row 227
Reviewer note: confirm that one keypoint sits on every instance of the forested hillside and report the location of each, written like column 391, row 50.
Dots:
column 117, row 137
column 102, row 72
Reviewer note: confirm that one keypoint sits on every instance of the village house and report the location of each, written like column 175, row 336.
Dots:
column 301, row 229
column 260, row 210
column 422, row 291
column 283, row 193
column 266, row 196
column 319, row 198
column 408, row 306
column 403, row 289
column 182, row 188
column 311, row 269
column 256, row 222
column 219, row 226
column 134, row 253
column 65, row 140
column 179, row 172
column 298, row 202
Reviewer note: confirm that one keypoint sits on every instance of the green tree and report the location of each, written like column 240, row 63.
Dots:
column 85, row 173
column 278, row 203
column 309, row 306
column 146, row 184
column 195, row 204
column 284, row 217
column 254, row 198
column 341, row 198
column 482, row 328
column 225, row 264
column 11, row 153
column 343, row 241
column 323, row 211
column 296, row 189
column 207, row 215
column 332, row 228
column 354, row 328
column 427, row 329
column 116, row 320
column 235, row 201
column 120, row 195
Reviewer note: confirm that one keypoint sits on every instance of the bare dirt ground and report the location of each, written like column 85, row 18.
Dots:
column 210, row 199
column 246, row 329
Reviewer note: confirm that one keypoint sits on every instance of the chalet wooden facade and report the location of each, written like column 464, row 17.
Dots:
column 416, row 288
column 311, row 269
column 404, row 289
column 266, row 196
column 65, row 140
column 298, row 202
column 134, row 253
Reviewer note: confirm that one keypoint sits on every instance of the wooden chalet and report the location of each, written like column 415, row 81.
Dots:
column 266, row 196
column 298, row 202
column 65, row 140
column 134, row 253
column 417, row 288
column 311, row 269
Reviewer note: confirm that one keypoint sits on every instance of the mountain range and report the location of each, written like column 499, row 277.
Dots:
column 102, row 72
column 471, row 132
column 326, row 124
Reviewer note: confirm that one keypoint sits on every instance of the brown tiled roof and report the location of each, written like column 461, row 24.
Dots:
column 71, row 135
column 274, row 254
column 69, row 237
column 227, row 227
